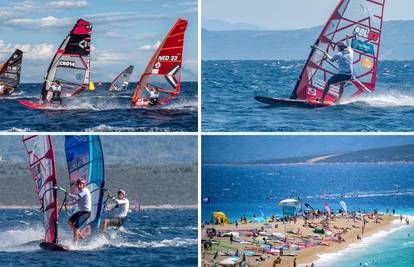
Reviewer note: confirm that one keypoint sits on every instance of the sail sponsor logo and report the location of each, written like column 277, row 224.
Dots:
column 168, row 58
column 66, row 63
column 157, row 65
column 155, row 71
column 362, row 46
column 84, row 44
column 366, row 33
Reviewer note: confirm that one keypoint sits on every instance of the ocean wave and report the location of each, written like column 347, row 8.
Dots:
column 108, row 128
column 328, row 258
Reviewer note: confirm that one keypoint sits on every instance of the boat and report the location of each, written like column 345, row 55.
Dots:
column 163, row 72
column 357, row 23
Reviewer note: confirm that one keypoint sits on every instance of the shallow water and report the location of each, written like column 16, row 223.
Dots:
column 100, row 111
column 159, row 237
column 229, row 88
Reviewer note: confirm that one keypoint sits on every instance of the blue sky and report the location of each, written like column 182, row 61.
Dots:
column 289, row 14
column 251, row 148
column 124, row 32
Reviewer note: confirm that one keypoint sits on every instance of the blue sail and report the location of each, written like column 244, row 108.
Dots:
column 85, row 160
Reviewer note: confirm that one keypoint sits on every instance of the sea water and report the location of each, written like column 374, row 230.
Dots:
column 229, row 88
column 99, row 111
column 157, row 237
column 256, row 190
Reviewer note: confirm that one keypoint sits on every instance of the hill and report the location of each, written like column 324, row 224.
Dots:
column 404, row 153
column 397, row 43
column 155, row 184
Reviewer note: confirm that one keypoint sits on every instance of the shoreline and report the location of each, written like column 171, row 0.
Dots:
column 304, row 255
column 143, row 207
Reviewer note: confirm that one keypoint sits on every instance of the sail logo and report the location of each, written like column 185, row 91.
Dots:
column 84, row 44
column 66, row 63
column 157, row 65
column 366, row 33
column 168, row 58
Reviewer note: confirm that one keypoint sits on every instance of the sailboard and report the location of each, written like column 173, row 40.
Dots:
column 122, row 80
column 84, row 158
column 357, row 23
column 164, row 69
column 71, row 63
column 43, row 170
column 10, row 72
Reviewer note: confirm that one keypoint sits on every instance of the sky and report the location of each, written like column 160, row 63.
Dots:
column 289, row 14
column 125, row 32
column 219, row 149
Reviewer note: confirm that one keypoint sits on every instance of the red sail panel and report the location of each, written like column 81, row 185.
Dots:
column 358, row 23
column 71, row 63
column 42, row 167
column 164, row 69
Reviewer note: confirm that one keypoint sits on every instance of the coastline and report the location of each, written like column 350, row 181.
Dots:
column 305, row 256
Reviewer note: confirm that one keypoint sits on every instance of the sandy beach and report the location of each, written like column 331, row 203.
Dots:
column 263, row 242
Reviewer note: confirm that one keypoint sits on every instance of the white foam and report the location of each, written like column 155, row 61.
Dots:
column 18, row 239
column 328, row 258
column 387, row 99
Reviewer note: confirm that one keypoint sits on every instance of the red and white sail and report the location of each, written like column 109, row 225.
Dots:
column 164, row 69
column 358, row 23
column 71, row 63
column 42, row 167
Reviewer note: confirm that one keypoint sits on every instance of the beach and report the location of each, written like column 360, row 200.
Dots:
column 297, row 240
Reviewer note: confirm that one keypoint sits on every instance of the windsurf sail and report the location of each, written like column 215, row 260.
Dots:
column 10, row 71
column 328, row 208
column 42, row 167
column 85, row 160
column 343, row 205
column 122, row 80
column 163, row 71
column 71, row 63
column 358, row 23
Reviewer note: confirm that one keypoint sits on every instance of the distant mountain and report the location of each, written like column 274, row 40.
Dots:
column 118, row 149
column 152, row 184
column 397, row 43
column 404, row 153
column 222, row 25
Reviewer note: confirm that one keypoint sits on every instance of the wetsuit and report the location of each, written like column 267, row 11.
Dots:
column 84, row 201
column 119, row 212
column 154, row 96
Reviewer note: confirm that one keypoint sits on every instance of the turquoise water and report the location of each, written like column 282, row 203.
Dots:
column 244, row 190
column 393, row 248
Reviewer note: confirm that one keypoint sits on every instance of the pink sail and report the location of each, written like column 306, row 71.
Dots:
column 42, row 167
column 358, row 23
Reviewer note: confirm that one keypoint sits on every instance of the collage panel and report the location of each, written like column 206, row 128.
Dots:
column 307, row 66
column 327, row 200
column 99, row 66
column 98, row 200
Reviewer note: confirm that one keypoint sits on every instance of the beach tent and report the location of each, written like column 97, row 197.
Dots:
column 221, row 217
column 290, row 206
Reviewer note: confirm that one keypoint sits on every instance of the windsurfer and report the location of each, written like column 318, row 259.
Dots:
column 56, row 90
column 119, row 212
column 3, row 90
column 345, row 59
column 154, row 93
column 84, row 202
